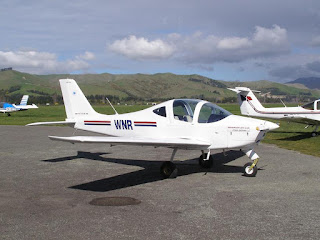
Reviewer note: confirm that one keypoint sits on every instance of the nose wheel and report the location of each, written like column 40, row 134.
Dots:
column 250, row 169
column 205, row 163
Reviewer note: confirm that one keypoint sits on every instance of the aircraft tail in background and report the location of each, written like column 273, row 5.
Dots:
column 249, row 104
column 24, row 100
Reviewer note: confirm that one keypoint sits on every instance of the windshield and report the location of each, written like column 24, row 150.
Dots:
column 212, row 113
column 309, row 106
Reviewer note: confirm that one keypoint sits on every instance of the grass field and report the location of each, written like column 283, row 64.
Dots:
column 289, row 136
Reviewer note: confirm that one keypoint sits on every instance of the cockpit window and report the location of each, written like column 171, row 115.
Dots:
column 161, row 111
column 309, row 106
column 183, row 109
column 212, row 113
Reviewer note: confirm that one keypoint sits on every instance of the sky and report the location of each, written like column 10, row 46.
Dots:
column 232, row 40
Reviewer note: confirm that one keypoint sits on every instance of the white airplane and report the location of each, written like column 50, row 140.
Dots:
column 308, row 114
column 8, row 108
column 177, row 124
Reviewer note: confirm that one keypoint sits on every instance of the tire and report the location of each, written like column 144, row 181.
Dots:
column 250, row 173
column 168, row 170
column 205, row 163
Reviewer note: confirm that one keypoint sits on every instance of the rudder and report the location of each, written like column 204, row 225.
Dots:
column 75, row 102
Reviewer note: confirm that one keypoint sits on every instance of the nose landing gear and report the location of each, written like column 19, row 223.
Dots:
column 250, row 169
column 206, row 160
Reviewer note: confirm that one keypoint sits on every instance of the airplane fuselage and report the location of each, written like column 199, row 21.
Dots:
column 230, row 132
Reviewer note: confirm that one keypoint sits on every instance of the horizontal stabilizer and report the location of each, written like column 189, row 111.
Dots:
column 52, row 123
column 25, row 106
column 172, row 142
column 243, row 90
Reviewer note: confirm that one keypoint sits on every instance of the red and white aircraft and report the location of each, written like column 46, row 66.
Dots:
column 177, row 124
column 308, row 114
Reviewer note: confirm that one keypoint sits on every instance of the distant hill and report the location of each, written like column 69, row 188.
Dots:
column 136, row 87
column 310, row 82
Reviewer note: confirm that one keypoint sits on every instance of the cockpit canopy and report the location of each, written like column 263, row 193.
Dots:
column 312, row 106
column 185, row 110
column 5, row 105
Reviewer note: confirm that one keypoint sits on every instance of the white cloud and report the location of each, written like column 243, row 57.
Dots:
column 43, row 62
column 86, row 56
column 141, row 48
column 209, row 49
column 206, row 49
column 233, row 43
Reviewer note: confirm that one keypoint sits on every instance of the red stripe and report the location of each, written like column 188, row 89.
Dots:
column 97, row 121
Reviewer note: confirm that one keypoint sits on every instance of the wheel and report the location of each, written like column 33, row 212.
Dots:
column 313, row 134
column 168, row 170
column 205, row 163
column 250, row 173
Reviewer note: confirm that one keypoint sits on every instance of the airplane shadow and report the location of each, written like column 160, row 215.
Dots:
column 150, row 172
column 298, row 136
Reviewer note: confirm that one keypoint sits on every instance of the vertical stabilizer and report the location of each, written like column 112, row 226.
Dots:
column 249, row 104
column 24, row 100
column 75, row 102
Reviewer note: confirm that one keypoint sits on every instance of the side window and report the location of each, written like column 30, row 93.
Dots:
column 160, row 111
column 181, row 112
column 212, row 113
column 318, row 105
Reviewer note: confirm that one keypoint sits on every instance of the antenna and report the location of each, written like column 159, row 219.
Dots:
column 112, row 106
column 282, row 102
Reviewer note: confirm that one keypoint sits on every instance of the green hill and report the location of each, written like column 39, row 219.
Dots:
column 133, row 87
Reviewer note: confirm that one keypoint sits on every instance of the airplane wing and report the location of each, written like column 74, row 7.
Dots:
column 183, row 143
column 8, row 110
column 301, row 119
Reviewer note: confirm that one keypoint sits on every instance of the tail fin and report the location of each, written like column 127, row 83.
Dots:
column 75, row 102
column 249, row 104
column 24, row 100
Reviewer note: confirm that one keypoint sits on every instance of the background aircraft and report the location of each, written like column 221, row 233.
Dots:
column 8, row 108
column 308, row 114
column 178, row 124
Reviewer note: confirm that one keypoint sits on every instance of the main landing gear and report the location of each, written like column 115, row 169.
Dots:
column 169, row 169
column 314, row 133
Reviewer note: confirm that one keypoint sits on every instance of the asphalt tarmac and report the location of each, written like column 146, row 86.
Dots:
column 56, row 190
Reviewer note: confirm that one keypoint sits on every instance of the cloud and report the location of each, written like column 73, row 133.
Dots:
column 141, row 48
column 314, row 66
column 292, row 72
column 209, row 49
column 206, row 49
column 233, row 43
column 43, row 62
column 86, row 56
column 315, row 42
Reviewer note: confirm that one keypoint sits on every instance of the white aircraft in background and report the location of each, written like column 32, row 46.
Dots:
column 177, row 124
column 8, row 108
column 308, row 114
